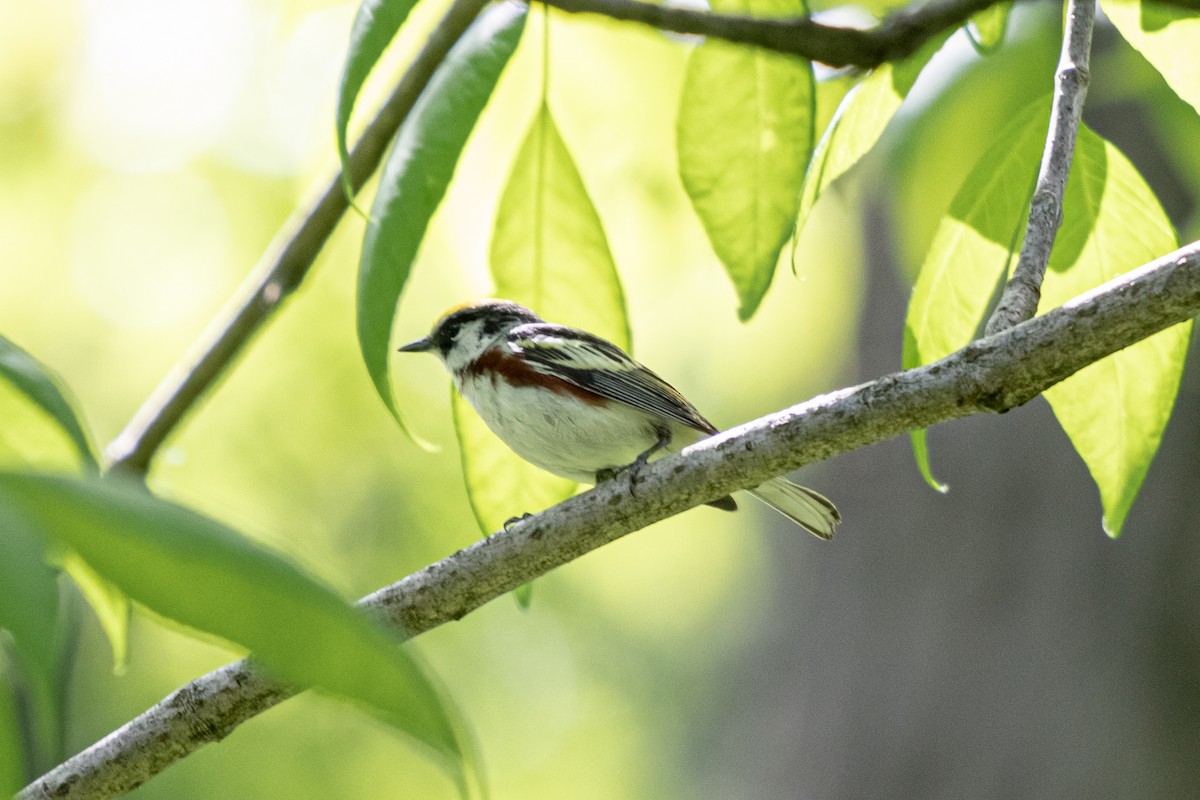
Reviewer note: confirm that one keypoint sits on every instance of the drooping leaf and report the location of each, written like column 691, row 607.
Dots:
column 549, row 252
column 987, row 28
column 1115, row 410
column 29, row 612
column 417, row 173
column 196, row 571
column 28, row 592
column 107, row 602
column 860, row 120
column 375, row 25
column 1166, row 36
column 39, row 414
column 971, row 250
column 745, row 135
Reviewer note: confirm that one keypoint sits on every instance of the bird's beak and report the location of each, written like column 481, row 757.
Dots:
column 419, row 346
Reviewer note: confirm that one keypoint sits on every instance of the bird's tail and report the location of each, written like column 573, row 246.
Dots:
column 808, row 509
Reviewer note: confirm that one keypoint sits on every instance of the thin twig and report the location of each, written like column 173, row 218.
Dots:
column 1019, row 301
column 900, row 35
column 279, row 274
column 991, row 374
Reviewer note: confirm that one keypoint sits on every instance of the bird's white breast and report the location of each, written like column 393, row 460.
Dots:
column 559, row 432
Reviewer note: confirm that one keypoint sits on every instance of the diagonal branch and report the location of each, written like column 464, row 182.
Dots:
column 991, row 374
column 280, row 273
column 1019, row 300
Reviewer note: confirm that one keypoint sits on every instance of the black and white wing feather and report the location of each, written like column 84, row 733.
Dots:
column 599, row 366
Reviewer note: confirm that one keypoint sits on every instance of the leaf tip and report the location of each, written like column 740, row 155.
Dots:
column 1111, row 530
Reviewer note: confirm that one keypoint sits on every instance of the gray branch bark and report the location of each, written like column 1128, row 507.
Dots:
column 1021, row 295
column 993, row 374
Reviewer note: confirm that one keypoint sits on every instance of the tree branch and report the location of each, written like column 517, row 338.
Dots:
column 278, row 275
column 996, row 373
column 900, row 35
column 1019, row 300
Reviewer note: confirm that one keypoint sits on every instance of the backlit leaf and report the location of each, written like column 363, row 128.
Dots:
column 196, row 571
column 1115, row 410
column 860, row 120
column 971, row 250
column 745, row 135
column 38, row 422
column 107, row 602
column 417, row 173
column 1167, row 37
column 987, row 28
column 549, row 252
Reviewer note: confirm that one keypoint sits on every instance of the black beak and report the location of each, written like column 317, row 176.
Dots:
column 419, row 346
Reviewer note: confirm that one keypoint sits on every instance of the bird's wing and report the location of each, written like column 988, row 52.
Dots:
column 599, row 366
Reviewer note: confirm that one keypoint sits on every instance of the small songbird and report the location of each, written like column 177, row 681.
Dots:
column 577, row 405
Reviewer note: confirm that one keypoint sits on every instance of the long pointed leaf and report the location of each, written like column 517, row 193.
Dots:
column 745, row 136
column 194, row 570
column 417, row 173
column 375, row 25
column 1116, row 410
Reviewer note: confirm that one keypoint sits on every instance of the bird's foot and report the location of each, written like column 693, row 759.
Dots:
column 635, row 467
column 508, row 523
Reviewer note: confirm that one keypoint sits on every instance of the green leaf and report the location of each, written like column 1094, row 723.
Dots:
column 523, row 594
column 194, row 570
column 417, row 173
column 12, row 762
column 971, row 250
column 549, row 252
column 38, row 413
column 375, row 25
column 987, row 28
column 1115, row 410
column 745, row 135
column 860, row 120
column 29, row 612
column 1167, row 37
column 28, row 593
column 107, row 602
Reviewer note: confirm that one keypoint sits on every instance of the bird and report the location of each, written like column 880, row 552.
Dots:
column 578, row 406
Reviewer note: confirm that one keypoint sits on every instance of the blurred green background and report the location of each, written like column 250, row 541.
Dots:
column 987, row 643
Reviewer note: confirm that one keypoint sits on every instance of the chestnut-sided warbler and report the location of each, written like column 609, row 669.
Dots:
column 577, row 406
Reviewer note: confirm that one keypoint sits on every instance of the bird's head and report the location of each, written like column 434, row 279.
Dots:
column 465, row 332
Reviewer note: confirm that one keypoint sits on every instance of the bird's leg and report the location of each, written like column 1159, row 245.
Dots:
column 635, row 467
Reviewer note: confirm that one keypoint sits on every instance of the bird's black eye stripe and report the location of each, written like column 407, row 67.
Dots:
column 494, row 325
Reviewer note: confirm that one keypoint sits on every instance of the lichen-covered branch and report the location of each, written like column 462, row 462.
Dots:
column 991, row 374
column 1019, row 300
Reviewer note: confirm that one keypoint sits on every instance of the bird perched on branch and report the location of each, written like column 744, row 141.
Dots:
column 578, row 406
